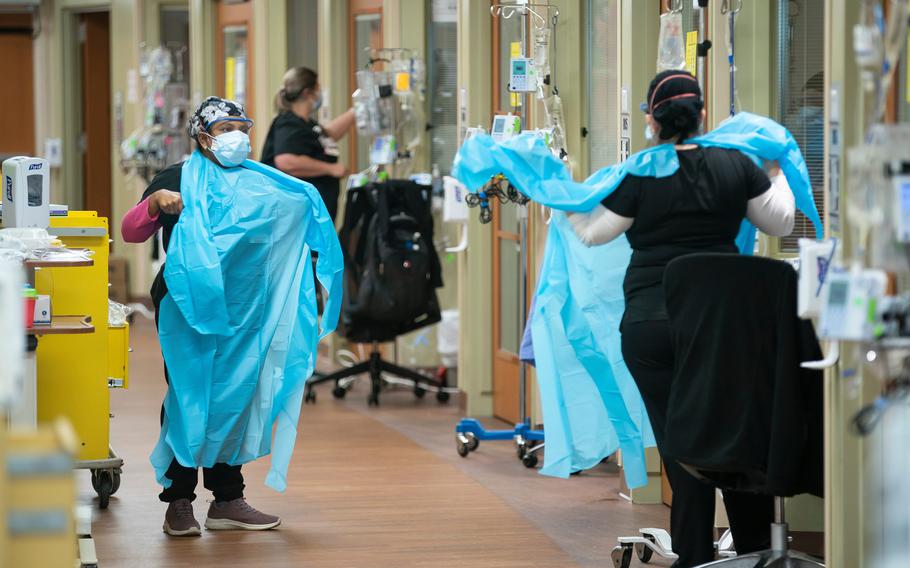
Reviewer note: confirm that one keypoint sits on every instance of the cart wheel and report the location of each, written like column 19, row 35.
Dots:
column 622, row 556
column 116, row 485
column 310, row 397
column 473, row 442
column 104, row 487
column 644, row 553
column 373, row 400
column 442, row 396
column 462, row 448
column 339, row 392
column 419, row 391
column 529, row 460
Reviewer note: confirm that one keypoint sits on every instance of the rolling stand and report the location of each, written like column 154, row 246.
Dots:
column 469, row 432
column 375, row 367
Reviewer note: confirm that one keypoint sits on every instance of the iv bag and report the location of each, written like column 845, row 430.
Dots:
column 556, row 123
column 542, row 51
column 671, row 48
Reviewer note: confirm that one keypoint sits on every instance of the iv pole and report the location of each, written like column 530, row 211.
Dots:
column 469, row 431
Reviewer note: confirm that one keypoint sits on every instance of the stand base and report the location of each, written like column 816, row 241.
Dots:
column 469, row 432
column 375, row 367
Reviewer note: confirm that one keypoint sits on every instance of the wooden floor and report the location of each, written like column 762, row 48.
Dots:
column 366, row 489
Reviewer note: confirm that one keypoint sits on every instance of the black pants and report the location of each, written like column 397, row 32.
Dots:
column 224, row 481
column 648, row 352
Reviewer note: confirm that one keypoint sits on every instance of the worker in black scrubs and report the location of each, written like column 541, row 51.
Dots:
column 696, row 210
column 298, row 145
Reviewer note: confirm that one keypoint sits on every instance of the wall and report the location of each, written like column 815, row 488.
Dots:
column 303, row 33
column 475, row 362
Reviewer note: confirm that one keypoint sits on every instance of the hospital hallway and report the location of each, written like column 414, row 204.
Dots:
column 367, row 487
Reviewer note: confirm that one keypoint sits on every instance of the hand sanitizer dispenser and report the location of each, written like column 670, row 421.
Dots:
column 26, row 192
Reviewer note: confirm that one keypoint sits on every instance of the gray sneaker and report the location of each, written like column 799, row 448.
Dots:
column 238, row 514
column 179, row 519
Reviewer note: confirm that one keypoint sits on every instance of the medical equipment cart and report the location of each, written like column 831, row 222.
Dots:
column 75, row 372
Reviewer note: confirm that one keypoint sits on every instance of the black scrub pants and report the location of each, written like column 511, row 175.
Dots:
column 648, row 353
column 224, row 481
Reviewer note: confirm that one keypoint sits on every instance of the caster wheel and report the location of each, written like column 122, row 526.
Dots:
column 462, row 448
column 621, row 556
column 644, row 553
column 529, row 460
column 442, row 397
column 520, row 450
column 473, row 442
column 103, row 484
column 116, row 485
column 310, row 397
column 373, row 400
column 419, row 391
column 339, row 392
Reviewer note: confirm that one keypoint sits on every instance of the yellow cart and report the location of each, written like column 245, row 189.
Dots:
column 75, row 372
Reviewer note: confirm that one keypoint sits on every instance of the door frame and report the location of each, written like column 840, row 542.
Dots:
column 72, row 170
column 234, row 15
column 102, row 128
column 358, row 8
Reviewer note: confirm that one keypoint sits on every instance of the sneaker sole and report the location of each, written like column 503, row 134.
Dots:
column 192, row 531
column 227, row 525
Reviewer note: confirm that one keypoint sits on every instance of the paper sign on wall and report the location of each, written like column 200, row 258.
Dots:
column 692, row 52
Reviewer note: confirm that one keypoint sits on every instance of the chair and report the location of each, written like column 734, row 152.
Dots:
column 391, row 264
column 734, row 326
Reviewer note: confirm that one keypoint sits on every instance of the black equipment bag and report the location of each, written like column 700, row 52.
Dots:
column 391, row 266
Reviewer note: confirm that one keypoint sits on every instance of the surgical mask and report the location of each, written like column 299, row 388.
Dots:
column 231, row 148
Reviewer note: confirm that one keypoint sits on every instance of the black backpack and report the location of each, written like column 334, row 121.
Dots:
column 391, row 266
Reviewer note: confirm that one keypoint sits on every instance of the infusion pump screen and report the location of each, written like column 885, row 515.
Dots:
column 838, row 293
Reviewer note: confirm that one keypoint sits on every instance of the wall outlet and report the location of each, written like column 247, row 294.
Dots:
column 53, row 152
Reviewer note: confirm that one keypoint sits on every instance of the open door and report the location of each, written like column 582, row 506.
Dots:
column 17, row 100
column 95, row 38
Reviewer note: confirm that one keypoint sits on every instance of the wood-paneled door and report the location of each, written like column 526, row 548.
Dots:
column 506, row 252
column 365, row 27
column 17, row 102
column 234, row 52
column 95, row 39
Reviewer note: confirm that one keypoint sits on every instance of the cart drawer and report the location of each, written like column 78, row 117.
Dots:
column 118, row 356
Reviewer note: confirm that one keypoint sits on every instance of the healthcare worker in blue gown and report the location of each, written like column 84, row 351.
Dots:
column 219, row 127
column 696, row 210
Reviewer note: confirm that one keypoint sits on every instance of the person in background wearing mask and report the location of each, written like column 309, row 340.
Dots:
column 221, row 131
column 298, row 145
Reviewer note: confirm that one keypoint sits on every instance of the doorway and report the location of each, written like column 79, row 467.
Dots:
column 17, row 105
column 95, row 86
column 233, row 52
column 365, row 34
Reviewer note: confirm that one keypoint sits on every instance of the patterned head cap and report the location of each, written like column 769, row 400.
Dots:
column 212, row 110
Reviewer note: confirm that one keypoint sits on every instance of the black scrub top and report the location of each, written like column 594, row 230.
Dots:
column 169, row 178
column 290, row 134
column 698, row 209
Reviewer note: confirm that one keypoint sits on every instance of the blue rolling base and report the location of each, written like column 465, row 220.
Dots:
column 469, row 433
